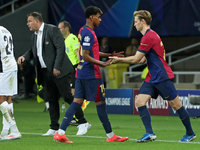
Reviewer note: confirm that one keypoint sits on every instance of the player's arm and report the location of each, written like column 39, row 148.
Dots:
column 106, row 55
column 88, row 58
column 143, row 60
column 138, row 58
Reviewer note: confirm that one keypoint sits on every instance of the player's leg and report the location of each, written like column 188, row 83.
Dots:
column 145, row 117
column 101, row 111
column 65, row 90
column 8, row 82
column 4, row 107
column 98, row 93
column 168, row 92
column 146, row 92
column 72, row 109
column 185, row 118
column 77, row 121
column 79, row 114
column 102, row 114
column 144, row 113
column 6, row 126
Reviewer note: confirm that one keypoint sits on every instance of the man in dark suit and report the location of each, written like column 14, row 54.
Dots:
column 53, row 67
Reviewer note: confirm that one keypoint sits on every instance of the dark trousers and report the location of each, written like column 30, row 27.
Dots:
column 54, row 88
column 73, row 79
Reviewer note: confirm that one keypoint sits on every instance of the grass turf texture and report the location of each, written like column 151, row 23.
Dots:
column 32, row 123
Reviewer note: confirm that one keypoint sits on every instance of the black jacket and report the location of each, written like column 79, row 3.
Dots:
column 53, row 52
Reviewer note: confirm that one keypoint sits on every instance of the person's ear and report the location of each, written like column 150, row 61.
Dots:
column 143, row 21
column 91, row 17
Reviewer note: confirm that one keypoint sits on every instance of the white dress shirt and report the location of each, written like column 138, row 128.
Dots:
column 39, row 46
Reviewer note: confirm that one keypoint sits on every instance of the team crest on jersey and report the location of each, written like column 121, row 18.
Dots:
column 87, row 39
column 80, row 67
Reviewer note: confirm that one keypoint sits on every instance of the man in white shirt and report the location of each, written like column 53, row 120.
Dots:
column 53, row 67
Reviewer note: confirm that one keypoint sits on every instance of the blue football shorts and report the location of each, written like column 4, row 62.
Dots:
column 90, row 89
column 165, row 89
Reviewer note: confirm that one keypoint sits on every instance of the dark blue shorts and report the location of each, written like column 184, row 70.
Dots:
column 165, row 89
column 90, row 89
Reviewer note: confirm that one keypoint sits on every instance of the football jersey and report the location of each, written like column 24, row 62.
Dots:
column 7, row 61
column 88, row 41
column 153, row 48
column 71, row 44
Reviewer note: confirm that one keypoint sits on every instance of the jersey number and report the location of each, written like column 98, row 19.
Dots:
column 9, row 44
column 102, row 89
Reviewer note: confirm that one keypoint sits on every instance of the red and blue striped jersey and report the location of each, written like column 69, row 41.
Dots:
column 88, row 41
column 153, row 48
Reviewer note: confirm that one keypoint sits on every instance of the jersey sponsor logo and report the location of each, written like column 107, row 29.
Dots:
column 87, row 39
column 86, row 44
column 76, row 45
column 144, row 44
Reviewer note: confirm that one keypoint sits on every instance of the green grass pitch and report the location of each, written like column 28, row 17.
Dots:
column 32, row 123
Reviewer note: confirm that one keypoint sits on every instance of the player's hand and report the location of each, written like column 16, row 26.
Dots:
column 120, row 54
column 108, row 62
column 20, row 60
column 115, row 59
column 56, row 72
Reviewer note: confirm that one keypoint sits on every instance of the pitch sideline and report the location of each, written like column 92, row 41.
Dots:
column 99, row 137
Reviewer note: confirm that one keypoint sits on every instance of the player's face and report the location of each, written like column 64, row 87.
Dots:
column 96, row 19
column 138, row 24
column 32, row 24
column 61, row 27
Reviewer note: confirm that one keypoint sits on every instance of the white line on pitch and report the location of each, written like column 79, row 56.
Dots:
column 99, row 137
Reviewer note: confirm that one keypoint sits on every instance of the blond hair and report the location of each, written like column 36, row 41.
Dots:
column 143, row 14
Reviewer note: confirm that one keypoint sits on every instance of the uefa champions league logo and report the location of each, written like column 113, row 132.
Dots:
column 87, row 39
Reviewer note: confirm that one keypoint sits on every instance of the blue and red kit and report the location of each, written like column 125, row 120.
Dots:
column 89, row 84
column 153, row 48
column 88, row 41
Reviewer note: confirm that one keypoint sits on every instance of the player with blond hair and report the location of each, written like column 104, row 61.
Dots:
column 158, row 79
